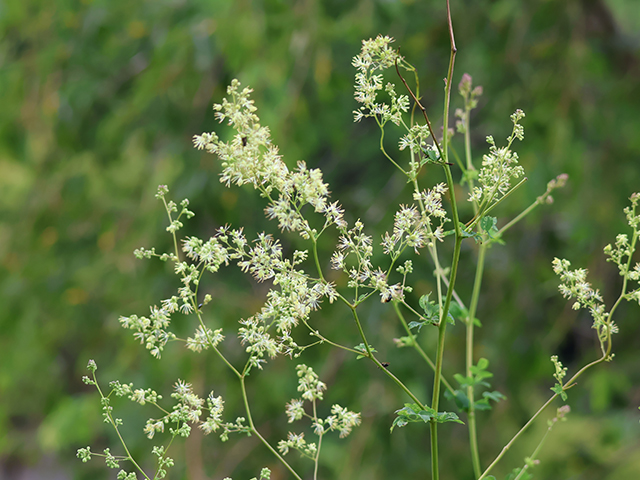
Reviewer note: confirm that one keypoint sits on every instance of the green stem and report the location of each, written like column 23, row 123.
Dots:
column 567, row 386
column 571, row 382
column 384, row 152
column 417, row 346
column 537, row 450
column 455, row 294
column 484, row 211
column 473, row 437
column 517, row 435
column 257, row 434
column 115, row 427
column 324, row 339
column 524, row 213
column 316, row 259
column 625, row 278
column 439, row 359
column 379, row 364
column 215, row 348
column 435, row 474
column 316, row 460
column 173, row 233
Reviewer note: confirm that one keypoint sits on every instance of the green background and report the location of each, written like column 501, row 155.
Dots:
column 99, row 101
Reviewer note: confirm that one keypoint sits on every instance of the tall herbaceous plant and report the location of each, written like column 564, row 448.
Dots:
column 387, row 90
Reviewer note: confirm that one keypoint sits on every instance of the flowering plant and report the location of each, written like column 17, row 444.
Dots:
column 292, row 198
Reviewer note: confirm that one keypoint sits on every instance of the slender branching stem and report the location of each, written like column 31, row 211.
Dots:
column 320, row 435
column 423, row 110
column 255, row 431
column 316, row 259
column 324, row 339
column 417, row 346
column 439, row 359
column 567, row 386
column 484, row 211
column 382, row 149
column 520, row 216
column 371, row 356
column 473, row 305
column 506, row 448
column 115, row 427
column 435, row 474
column 173, row 233
column 570, row 383
column 535, row 453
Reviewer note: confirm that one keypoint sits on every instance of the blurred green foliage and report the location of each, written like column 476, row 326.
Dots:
column 99, row 103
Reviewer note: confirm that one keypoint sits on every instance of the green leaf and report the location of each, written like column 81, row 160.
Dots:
column 363, row 349
column 475, row 235
column 412, row 413
column 463, row 381
column 482, row 405
column 425, row 304
column 479, row 371
column 478, row 375
column 469, row 381
column 462, row 314
column 459, row 397
column 557, row 388
column 398, row 422
column 483, row 363
column 443, row 417
column 430, row 156
column 418, row 324
column 457, row 311
column 450, row 319
column 431, row 310
column 488, row 225
column 495, row 396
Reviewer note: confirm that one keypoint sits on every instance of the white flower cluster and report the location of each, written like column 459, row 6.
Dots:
column 376, row 56
column 309, row 384
column 151, row 331
column 412, row 229
column 204, row 338
column 251, row 158
column 297, row 442
column 499, row 167
column 358, row 244
column 341, row 419
column 409, row 230
column 294, row 296
column 561, row 370
column 574, row 285
column 415, row 138
column 189, row 410
column 624, row 249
